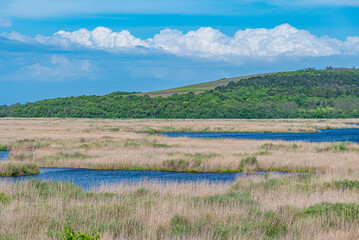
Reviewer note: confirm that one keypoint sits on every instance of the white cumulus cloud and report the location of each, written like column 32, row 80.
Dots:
column 99, row 38
column 206, row 42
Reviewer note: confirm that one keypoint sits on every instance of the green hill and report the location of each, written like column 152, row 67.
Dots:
column 331, row 93
column 200, row 87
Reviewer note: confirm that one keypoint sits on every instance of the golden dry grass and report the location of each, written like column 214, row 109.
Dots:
column 114, row 144
column 268, row 207
column 322, row 206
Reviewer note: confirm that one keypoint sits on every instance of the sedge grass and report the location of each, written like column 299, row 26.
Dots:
column 88, row 143
column 306, row 207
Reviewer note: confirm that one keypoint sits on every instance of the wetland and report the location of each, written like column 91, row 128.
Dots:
column 94, row 180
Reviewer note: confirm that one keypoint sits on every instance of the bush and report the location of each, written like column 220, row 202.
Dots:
column 4, row 148
column 70, row 234
column 4, row 199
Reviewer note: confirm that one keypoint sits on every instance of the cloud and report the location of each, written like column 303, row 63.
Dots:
column 101, row 37
column 4, row 22
column 281, row 40
column 206, row 42
column 57, row 67
column 18, row 37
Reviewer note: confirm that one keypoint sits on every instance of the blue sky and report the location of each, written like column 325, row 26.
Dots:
column 54, row 49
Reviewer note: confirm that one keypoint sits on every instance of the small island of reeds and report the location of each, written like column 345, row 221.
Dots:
column 15, row 169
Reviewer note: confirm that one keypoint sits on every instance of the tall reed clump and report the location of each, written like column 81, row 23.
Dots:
column 14, row 169
column 249, row 164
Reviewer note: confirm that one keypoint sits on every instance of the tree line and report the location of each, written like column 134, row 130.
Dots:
column 331, row 93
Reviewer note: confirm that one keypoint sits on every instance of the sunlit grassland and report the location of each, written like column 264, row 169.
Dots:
column 322, row 204
column 267, row 207
column 200, row 87
column 116, row 144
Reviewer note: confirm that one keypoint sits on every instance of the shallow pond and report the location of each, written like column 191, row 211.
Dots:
column 327, row 135
column 4, row 155
column 90, row 178
column 87, row 178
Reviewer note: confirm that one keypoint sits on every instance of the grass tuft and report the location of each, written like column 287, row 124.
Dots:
column 4, row 199
column 249, row 163
column 176, row 164
column 347, row 211
column 4, row 148
column 337, row 147
column 15, row 169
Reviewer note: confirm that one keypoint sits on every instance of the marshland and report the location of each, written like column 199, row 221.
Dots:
column 318, row 199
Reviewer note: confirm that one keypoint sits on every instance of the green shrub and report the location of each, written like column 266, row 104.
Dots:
column 4, row 148
column 70, row 234
column 4, row 199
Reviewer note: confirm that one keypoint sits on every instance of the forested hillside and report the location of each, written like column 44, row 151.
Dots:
column 332, row 93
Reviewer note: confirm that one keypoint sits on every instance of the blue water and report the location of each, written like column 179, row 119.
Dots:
column 355, row 124
column 90, row 178
column 327, row 135
column 4, row 155
column 87, row 178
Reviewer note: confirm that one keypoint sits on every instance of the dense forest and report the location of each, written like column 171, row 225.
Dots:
column 331, row 93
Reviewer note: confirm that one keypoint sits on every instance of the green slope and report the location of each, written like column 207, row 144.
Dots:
column 200, row 87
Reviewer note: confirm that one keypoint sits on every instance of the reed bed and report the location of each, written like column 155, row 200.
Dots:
column 305, row 206
column 56, row 144
column 45, row 126
column 322, row 204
